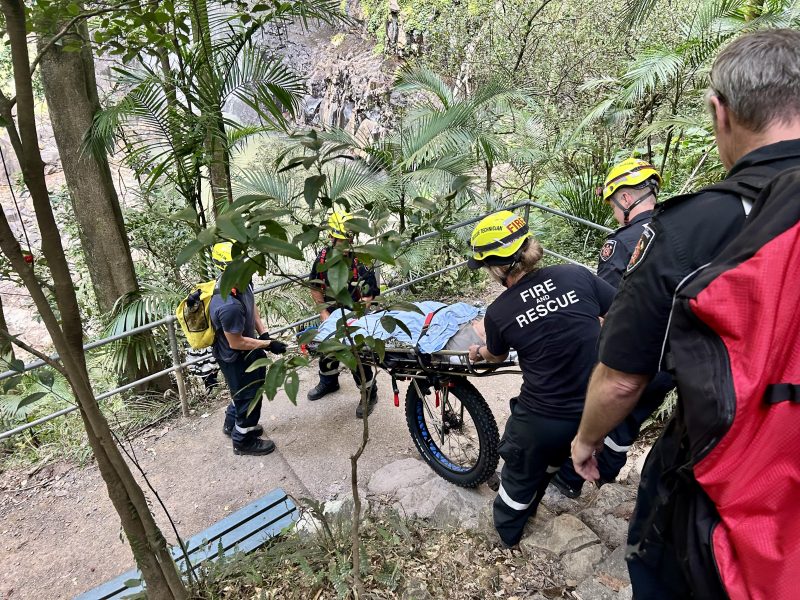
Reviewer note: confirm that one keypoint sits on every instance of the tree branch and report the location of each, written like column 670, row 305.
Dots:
column 528, row 28
column 40, row 355
column 69, row 25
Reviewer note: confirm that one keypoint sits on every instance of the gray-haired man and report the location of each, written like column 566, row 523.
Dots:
column 754, row 101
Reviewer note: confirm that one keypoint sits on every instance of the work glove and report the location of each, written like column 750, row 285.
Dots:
column 275, row 346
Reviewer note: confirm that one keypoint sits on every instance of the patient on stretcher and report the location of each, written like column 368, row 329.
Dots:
column 438, row 326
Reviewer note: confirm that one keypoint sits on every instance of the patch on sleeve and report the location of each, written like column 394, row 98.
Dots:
column 607, row 251
column 642, row 246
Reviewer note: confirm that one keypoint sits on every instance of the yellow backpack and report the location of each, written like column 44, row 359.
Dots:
column 193, row 315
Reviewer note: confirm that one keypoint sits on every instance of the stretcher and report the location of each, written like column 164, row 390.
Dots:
column 449, row 420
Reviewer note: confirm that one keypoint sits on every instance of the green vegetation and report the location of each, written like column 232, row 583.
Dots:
column 496, row 103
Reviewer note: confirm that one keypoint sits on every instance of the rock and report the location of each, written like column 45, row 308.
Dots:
column 463, row 507
column 614, row 567
column 611, row 529
column 639, row 464
column 415, row 589
column 591, row 589
column 581, row 563
column 421, row 500
column 400, row 474
column 610, row 496
column 368, row 131
column 561, row 535
column 624, row 510
column 308, row 525
column 557, row 503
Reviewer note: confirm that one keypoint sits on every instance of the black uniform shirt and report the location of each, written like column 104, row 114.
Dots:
column 686, row 232
column 550, row 317
column 234, row 315
column 616, row 252
column 362, row 279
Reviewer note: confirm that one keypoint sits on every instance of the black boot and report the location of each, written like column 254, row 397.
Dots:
column 258, row 431
column 565, row 488
column 258, row 447
column 373, row 400
column 324, row 387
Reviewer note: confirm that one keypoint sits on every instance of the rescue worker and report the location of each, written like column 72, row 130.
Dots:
column 631, row 188
column 363, row 287
column 550, row 316
column 754, row 101
column 236, row 346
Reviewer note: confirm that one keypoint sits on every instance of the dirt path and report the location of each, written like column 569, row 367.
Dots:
column 64, row 538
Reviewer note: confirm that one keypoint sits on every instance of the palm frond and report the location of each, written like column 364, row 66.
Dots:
column 654, row 67
column 636, row 11
column 356, row 183
column 261, row 182
column 421, row 79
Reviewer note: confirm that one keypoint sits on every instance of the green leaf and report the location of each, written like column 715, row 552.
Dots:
column 231, row 225
column 381, row 253
column 311, row 189
column 274, row 378
column 29, row 399
column 46, row 378
column 291, row 386
column 17, row 365
column 338, row 276
column 388, row 323
column 73, row 9
column 257, row 364
column 271, row 245
column 359, row 225
column 308, row 237
column 348, row 359
column 424, row 204
column 237, row 275
column 207, row 236
column 188, row 252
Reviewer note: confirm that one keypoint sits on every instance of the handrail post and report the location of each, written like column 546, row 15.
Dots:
column 528, row 213
column 176, row 362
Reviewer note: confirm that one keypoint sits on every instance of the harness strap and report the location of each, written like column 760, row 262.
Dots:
column 782, row 392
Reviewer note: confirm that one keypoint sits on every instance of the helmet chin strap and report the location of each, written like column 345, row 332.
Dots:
column 504, row 278
column 627, row 211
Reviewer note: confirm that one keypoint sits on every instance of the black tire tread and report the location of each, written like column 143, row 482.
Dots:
column 484, row 420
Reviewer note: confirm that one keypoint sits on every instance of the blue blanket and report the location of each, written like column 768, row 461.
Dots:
column 443, row 326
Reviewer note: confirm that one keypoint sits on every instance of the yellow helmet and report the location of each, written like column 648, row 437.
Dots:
column 497, row 238
column 221, row 254
column 629, row 173
column 336, row 223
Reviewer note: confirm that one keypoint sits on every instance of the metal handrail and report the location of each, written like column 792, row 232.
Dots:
column 169, row 321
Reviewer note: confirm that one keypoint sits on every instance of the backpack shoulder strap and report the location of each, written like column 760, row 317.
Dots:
column 746, row 185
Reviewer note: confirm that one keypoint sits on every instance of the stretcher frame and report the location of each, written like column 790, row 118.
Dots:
column 409, row 363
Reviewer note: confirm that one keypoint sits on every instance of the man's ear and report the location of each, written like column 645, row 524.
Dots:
column 720, row 115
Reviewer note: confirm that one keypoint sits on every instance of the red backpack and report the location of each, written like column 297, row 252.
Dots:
column 734, row 342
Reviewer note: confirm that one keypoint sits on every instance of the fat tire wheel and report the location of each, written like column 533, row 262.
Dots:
column 485, row 424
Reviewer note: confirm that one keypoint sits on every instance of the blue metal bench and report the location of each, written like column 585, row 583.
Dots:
column 243, row 531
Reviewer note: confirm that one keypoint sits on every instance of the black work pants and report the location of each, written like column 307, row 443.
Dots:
column 243, row 387
column 533, row 448
column 329, row 373
column 617, row 443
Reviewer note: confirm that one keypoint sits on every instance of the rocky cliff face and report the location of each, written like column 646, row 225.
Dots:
column 349, row 83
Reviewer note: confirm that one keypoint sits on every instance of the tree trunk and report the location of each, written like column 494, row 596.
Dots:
column 216, row 151
column 146, row 540
column 6, row 349
column 70, row 88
